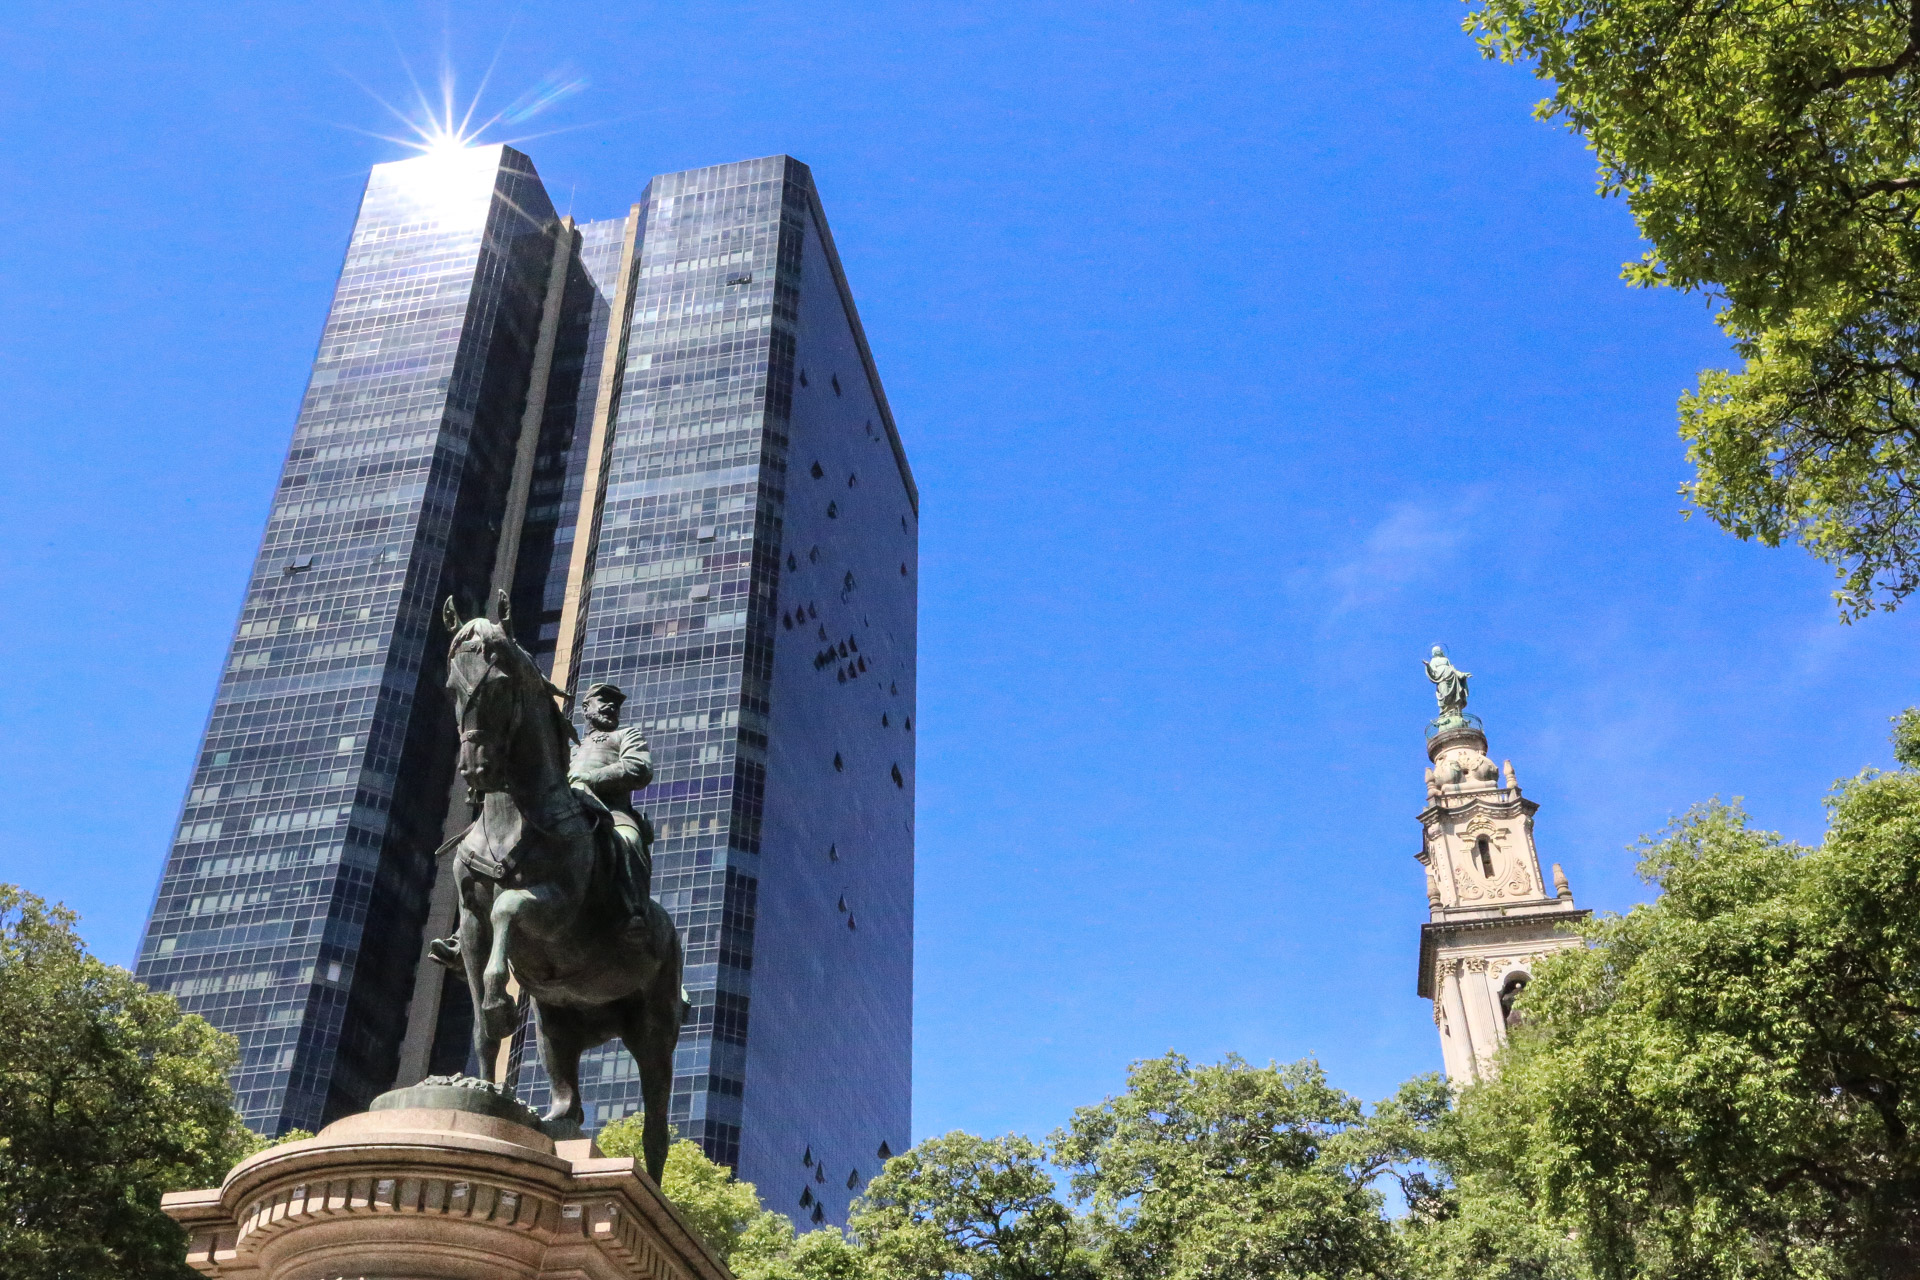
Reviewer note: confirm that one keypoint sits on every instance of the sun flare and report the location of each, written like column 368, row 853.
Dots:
column 442, row 129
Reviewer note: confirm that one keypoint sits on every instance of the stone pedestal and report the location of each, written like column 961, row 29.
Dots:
column 432, row 1193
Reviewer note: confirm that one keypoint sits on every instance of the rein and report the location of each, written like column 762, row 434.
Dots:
column 500, row 866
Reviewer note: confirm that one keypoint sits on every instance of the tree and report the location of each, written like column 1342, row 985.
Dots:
column 1467, row 1217
column 1726, row 1082
column 1230, row 1170
column 1767, row 150
column 755, row 1242
column 109, row 1096
column 960, row 1205
column 719, row 1207
column 778, row 1254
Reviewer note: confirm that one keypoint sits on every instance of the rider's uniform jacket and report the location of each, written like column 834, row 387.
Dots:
column 613, row 763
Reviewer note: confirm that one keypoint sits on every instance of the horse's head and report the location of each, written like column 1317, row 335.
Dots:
column 489, row 676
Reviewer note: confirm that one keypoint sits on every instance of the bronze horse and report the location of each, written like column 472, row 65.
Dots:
column 538, row 893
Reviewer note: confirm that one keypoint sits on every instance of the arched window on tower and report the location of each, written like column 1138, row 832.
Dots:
column 1510, row 990
column 1483, row 856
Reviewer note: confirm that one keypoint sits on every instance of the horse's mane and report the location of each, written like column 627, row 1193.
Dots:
column 499, row 641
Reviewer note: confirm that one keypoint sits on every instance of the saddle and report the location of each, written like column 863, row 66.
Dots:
column 495, row 851
column 500, row 842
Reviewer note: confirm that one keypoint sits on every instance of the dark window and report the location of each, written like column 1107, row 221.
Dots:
column 803, row 379
column 833, row 511
column 817, row 472
column 852, row 479
column 793, row 566
column 885, row 1152
column 833, row 855
column 807, row 1159
column 850, row 923
column 806, row 1197
column 819, row 1214
column 898, row 780
column 1509, row 992
column 838, row 763
column 842, row 906
column 1483, row 854
column 834, row 378
column 853, row 1179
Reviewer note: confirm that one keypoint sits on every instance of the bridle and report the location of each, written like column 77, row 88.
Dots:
column 473, row 736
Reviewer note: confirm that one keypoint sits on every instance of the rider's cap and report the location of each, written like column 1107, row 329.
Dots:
column 611, row 692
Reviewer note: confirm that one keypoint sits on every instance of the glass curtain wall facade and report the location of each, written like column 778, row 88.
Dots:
column 299, row 875
column 757, row 499
column 721, row 521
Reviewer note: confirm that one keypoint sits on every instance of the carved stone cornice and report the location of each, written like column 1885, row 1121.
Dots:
column 1463, row 735
column 1437, row 932
column 1500, row 802
column 437, row 1193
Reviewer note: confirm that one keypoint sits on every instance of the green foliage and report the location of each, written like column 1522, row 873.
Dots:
column 979, row 1207
column 1768, row 152
column 1230, row 1170
column 109, row 1096
column 825, row 1254
column 718, row 1206
column 1467, row 1218
column 1727, row 1082
column 1906, row 737
column 755, row 1242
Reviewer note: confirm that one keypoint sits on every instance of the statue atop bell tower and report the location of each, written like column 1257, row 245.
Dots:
column 1491, row 915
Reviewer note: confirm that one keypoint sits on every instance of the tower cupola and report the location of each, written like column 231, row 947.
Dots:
column 1491, row 914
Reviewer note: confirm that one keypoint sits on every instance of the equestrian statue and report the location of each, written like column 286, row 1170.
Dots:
column 553, row 877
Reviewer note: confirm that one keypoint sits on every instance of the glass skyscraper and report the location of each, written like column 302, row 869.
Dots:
column 664, row 434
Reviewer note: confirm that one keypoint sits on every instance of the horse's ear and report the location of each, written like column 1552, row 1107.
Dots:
column 450, row 614
column 503, row 611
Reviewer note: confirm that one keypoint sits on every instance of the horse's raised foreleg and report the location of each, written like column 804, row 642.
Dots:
column 497, row 1012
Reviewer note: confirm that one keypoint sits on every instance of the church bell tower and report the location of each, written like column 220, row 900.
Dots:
column 1491, row 915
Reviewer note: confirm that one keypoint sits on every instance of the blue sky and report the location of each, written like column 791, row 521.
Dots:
column 1242, row 351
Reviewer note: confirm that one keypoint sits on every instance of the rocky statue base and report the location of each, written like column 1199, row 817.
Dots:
column 447, row 1180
